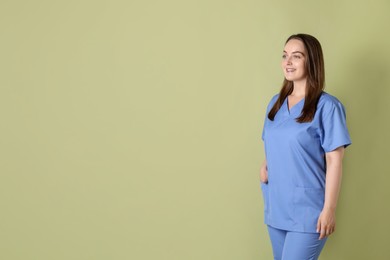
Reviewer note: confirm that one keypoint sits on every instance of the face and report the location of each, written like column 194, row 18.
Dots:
column 293, row 61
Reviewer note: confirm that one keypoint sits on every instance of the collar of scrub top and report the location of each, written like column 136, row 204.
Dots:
column 295, row 111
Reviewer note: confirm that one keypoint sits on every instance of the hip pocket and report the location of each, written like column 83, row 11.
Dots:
column 264, row 188
column 308, row 204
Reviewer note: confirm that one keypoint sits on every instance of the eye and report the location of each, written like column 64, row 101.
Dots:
column 297, row 56
column 284, row 56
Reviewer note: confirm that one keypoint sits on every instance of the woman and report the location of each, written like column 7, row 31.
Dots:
column 304, row 135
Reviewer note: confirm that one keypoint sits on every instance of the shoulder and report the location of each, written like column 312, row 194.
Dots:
column 328, row 100
column 273, row 99
column 329, row 103
column 272, row 102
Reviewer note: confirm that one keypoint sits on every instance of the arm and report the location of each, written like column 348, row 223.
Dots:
column 264, row 172
column 327, row 221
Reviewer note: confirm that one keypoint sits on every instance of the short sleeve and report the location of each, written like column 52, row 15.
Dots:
column 266, row 120
column 334, row 128
column 264, row 125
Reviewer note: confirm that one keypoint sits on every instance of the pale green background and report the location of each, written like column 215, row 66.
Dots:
column 132, row 129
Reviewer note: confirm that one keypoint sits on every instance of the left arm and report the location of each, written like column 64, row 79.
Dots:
column 327, row 221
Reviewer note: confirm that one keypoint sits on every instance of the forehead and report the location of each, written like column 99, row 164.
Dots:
column 294, row 45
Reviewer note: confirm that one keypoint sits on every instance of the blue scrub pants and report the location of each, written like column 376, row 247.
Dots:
column 287, row 245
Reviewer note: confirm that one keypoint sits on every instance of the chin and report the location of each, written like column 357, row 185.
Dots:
column 289, row 78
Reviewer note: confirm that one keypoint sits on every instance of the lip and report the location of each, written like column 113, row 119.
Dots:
column 290, row 69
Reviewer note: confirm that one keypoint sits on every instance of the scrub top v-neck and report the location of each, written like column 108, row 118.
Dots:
column 297, row 107
column 295, row 154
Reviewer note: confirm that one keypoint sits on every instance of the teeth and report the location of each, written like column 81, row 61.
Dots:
column 290, row 70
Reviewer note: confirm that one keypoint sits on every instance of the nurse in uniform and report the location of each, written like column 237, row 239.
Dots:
column 304, row 134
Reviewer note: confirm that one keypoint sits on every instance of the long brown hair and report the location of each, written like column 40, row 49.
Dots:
column 315, row 81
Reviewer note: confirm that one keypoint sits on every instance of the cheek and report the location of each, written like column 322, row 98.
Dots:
column 302, row 66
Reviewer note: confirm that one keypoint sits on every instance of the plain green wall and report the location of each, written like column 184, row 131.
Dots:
column 132, row 129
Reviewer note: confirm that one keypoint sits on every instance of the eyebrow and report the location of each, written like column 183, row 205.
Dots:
column 296, row 52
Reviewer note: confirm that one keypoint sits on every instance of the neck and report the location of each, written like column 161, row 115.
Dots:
column 299, row 89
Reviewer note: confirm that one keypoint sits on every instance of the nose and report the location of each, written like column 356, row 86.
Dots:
column 288, row 60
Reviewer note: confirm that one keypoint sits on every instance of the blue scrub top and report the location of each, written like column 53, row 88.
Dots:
column 295, row 154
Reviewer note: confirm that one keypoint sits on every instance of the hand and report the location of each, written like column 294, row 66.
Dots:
column 326, row 223
column 264, row 172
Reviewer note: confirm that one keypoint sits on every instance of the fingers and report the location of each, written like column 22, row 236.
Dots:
column 263, row 175
column 263, row 178
column 322, row 235
column 318, row 225
column 325, row 231
column 321, row 230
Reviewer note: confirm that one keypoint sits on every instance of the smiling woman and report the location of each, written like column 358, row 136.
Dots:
column 304, row 78
column 304, row 134
column 293, row 62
